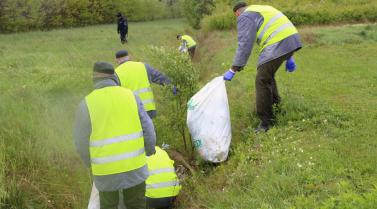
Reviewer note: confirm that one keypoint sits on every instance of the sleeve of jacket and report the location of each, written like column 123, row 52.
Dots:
column 82, row 131
column 148, row 129
column 247, row 29
column 155, row 76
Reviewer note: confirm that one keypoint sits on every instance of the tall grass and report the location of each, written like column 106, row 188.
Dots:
column 321, row 153
column 44, row 75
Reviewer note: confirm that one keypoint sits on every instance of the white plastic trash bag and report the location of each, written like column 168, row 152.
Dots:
column 94, row 199
column 208, row 120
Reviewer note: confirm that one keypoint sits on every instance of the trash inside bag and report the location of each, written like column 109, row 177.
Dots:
column 208, row 120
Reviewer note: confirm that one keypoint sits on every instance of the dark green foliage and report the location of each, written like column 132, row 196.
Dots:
column 194, row 10
column 25, row 15
column 179, row 68
column 300, row 12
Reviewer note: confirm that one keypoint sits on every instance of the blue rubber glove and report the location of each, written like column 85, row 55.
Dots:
column 175, row 91
column 290, row 65
column 229, row 75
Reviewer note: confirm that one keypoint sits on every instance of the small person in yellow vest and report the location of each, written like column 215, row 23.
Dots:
column 278, row 40
column 162, row 183
column 138, row 77
column 113, row 134
column 188, row 43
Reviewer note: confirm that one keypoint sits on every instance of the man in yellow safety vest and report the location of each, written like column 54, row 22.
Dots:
column 188, row 43
column 138, row 77
column 113, row 134
column 278, row 40
column 162, row 183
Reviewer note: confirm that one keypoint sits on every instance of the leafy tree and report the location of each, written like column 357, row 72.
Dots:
column 178, row 67
column 195, row 10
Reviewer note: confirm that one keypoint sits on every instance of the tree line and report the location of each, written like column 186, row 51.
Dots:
column 26, row 15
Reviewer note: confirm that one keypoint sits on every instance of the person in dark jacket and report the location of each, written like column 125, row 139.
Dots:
column 278, row 40
column 122, row 27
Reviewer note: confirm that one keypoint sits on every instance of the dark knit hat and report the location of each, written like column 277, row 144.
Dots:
column 239, row 5
column 103, row 67
column 121, row 53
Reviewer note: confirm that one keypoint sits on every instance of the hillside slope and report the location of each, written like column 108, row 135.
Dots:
column 321, row 154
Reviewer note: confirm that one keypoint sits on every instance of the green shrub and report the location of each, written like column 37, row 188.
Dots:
column 195, row 10
column 178, row 67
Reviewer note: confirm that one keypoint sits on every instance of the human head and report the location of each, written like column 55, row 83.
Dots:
column 122, row 56
column 103, row 70
column 239, row 7
column 119, row 14
column 179, row 36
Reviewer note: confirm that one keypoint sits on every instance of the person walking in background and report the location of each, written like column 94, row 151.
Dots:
column 278, row 40
column 188, row 44
column 162, row 184
column 113, row 134
column 138, row 77
column 122, row 27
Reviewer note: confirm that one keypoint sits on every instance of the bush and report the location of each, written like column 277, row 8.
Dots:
column 194, row 10
column 178, row 67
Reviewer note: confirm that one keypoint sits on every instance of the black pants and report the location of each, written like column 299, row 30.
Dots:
column 160, row 203
column 267, row 93
column 123, row 35
column 134, row 198
column 191, row 52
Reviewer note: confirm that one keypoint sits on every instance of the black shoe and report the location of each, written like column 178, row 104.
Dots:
column 262, row 128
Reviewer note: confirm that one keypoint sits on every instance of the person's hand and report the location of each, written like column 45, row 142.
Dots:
column 290, row 65
column 229, row 75
column 175, row 91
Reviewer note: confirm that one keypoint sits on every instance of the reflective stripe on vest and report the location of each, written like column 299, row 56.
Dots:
column 276, row 26
column 134, row 76
column 190, row 41
column 162, row 181
column 116, row 140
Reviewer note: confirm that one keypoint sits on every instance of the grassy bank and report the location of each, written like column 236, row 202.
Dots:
column 43, row 77
column 321, row 153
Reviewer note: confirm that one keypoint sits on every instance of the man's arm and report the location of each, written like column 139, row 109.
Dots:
column 148, row 128
column 247, row 29
column 155, row 76
column 82, row 131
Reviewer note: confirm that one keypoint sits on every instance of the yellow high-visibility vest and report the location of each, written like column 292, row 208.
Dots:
column 116, row 141
column 276, row 26
column 134, row 76
column 190, row 41
column 162, row 181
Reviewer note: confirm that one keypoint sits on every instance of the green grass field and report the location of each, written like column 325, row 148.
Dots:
column 322, row 153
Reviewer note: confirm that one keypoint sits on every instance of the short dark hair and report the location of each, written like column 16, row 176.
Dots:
column 179, row 36
column 239, row 5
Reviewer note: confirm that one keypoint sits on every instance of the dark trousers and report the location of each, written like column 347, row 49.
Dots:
column 191, row 52
column 134, row 198
column 160, row 203
column 267, row 94
column 123, row 35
